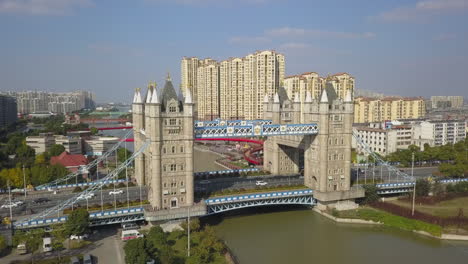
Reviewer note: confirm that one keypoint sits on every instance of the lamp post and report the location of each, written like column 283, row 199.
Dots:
column 24, row 182
column 414, row 187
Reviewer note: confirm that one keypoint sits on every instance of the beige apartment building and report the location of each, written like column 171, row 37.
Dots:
column 231, row 92
column 233, row 88
column 72, row 144
column 389, row 108
column 41, row 143
column 208, row 91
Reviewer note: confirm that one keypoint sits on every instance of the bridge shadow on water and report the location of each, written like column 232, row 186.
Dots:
column 216, row 219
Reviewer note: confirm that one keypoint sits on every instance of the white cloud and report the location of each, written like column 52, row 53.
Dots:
column 422, row 10
column 42, row 7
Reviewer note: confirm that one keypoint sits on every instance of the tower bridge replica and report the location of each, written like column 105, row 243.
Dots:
column 314, row 135
column 318, row 138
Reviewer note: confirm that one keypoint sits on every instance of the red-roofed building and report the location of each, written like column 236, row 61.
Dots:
column 70, row 161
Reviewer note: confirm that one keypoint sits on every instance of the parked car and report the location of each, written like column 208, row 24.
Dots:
column 18, row 203
column 87, row 259
column 75, row 237
column 261, row 183
column 21, row 248
column 9, row 205
column 41, row 200
column 115, row 192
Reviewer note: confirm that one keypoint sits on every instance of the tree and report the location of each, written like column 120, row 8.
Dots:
column 123, row 154
column 77, row 222
column 3, row 244
column 56, row 150
column 422, row 187
column 437, row 188
column 371, row 195
column 25, row 154
column 94, row 131
column 40, row 159
column 135, row 251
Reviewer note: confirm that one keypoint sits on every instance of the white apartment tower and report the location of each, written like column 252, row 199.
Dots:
column 208, row 90
column 234, row 88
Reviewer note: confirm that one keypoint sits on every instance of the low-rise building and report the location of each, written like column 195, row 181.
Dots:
column 96, row 145
column 41, row 143
column 72, row 144
column 70, row 161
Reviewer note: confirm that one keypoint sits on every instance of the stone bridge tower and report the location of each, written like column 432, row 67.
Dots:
column 325, row 157
column 166, row 166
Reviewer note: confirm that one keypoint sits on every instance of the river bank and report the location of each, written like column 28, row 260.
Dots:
column 397, row 222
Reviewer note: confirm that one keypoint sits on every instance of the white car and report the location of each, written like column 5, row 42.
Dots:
column 7, row 205
column 86, row 196
column 75, row 237
column 261, row 183
column 18, row 203
column 116, row 192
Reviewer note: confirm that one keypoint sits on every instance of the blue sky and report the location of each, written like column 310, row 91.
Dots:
column 113, row 46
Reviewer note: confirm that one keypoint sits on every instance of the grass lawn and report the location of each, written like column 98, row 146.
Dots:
column 443, row 209
column 391, row 220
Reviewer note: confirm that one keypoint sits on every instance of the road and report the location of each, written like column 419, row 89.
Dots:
column 29, row 207
column 382, row 172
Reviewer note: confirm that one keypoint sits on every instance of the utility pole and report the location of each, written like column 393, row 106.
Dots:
column 188, row 232
column 414, row 187
column 9, row 205
column 24, row 182
column 126, row 175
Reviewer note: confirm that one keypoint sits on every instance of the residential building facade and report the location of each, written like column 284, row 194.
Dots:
column 41, row 143
column 71, row 144
column 389, row 108
column 446, row 101
column 8, row 111
column 37, row 101
column 234, row 88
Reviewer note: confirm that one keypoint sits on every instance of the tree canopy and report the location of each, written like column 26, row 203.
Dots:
column 77, row 222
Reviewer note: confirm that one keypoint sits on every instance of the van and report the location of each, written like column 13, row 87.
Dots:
column 130, row 234
column 47, row 244
column 21, row 248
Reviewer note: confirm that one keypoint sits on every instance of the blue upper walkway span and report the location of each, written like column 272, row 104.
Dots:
column 250, row 128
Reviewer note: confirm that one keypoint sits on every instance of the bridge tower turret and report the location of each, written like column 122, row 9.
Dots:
column 138, row 125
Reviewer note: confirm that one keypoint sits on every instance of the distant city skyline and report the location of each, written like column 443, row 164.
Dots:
column 408, row 48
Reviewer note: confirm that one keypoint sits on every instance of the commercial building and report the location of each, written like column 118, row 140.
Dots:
column 368, row 110
column 446, row 101
column 41, row 143
column 233, row 88
column 8, row 111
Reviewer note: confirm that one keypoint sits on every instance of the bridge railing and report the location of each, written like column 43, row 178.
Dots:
column 62, row 219
column 257, row 196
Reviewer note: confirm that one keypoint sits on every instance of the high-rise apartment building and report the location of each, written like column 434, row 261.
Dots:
column 189, row 73
column 37, row 101
column 389, row 108
column 8, row 110
column 208, row 90
column 238, row 89
column 231, row 90
column 446, row 101
column 263, row 75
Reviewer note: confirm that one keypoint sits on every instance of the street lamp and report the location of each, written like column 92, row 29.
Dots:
column 414, row 187
column 24, row 182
